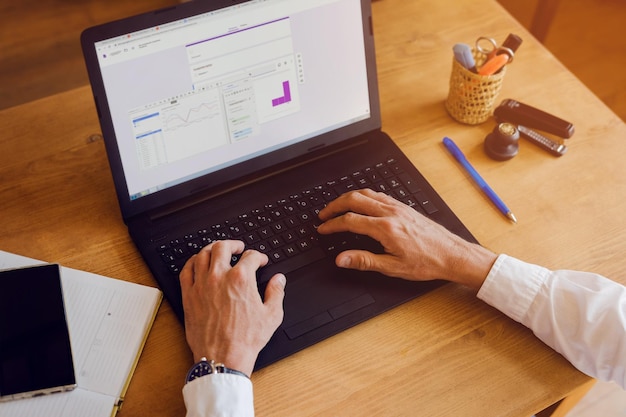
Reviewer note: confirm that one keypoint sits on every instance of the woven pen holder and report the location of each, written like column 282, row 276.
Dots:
column 471, row 97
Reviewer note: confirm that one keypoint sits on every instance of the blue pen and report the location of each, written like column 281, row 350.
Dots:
column 458, row 155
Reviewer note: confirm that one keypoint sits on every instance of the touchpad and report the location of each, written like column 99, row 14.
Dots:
column 312, row 299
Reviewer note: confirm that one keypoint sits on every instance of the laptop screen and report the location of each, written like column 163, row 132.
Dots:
column 202, row 93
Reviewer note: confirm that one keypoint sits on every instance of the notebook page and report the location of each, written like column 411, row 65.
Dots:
column 108, row 319
column 77, row 403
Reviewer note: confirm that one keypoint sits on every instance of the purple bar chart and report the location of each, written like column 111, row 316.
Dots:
column 285, row 98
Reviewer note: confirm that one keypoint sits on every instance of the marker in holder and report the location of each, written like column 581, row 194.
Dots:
column 472, row 96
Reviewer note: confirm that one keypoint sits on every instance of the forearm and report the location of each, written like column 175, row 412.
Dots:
column 581, row 315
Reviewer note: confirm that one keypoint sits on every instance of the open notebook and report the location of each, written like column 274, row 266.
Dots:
column 109, row 321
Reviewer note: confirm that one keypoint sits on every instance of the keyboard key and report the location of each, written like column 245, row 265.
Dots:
column 304, row 244
column 251, row 238
column 305, row 217
column 394, row 183
column 385, row 172
column 262, row 247
column 302, row 231
column 409, row 183
column 276, row 241
column 291, row 250
column 168, row 257
column 279, row 227
column 276, row 255
column 265, row 231
column 401, row 193
column 290, row 236
column 236, row 229
column 276, row 213
column 381, row 187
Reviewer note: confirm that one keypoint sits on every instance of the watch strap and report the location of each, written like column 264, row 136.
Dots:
column 206, row 367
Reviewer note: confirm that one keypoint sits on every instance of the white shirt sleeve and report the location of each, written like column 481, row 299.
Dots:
column 581, row 315
column 223, row 395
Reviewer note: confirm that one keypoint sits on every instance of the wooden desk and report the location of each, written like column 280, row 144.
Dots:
column 445, row 354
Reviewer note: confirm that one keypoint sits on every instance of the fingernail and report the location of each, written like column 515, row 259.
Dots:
column 282, row 280
column 344, row 262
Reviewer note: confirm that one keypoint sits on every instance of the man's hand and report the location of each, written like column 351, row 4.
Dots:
column 225, row 318
column 416, row 248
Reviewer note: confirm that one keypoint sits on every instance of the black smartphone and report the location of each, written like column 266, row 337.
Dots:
column 35, row 349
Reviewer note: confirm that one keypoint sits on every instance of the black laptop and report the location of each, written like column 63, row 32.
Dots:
column 231, row 119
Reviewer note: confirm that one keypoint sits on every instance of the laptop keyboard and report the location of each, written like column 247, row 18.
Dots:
column 285, row 229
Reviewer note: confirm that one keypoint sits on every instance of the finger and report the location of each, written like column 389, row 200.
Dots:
column 201, row 261
column 275, row 295
column 225, row 246
column 221, row 253
column 367, row 261
column 251, row 260
column 350, row 222
column 364, row 201
column 186, row 275
column 194, row 273
column 356, row 259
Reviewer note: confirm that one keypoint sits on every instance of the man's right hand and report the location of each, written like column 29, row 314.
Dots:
column 416, row 248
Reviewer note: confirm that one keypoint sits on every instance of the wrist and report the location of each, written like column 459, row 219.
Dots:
column 207, row 367
column 471, row 264
column 232, row 360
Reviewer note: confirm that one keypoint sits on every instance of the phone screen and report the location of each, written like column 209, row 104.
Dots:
column 35, row 350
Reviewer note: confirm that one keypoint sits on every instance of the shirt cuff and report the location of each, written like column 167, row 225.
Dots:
column 512, row 285
column 219, row 395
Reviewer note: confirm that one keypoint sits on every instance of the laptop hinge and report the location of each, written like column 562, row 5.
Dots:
column 165, row 211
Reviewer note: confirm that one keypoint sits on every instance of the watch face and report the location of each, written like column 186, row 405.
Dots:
column 201, row 368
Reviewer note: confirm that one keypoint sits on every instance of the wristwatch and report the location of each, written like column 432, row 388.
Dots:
column 205, row 367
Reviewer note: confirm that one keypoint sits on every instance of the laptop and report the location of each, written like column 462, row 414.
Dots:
column 232, row 119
